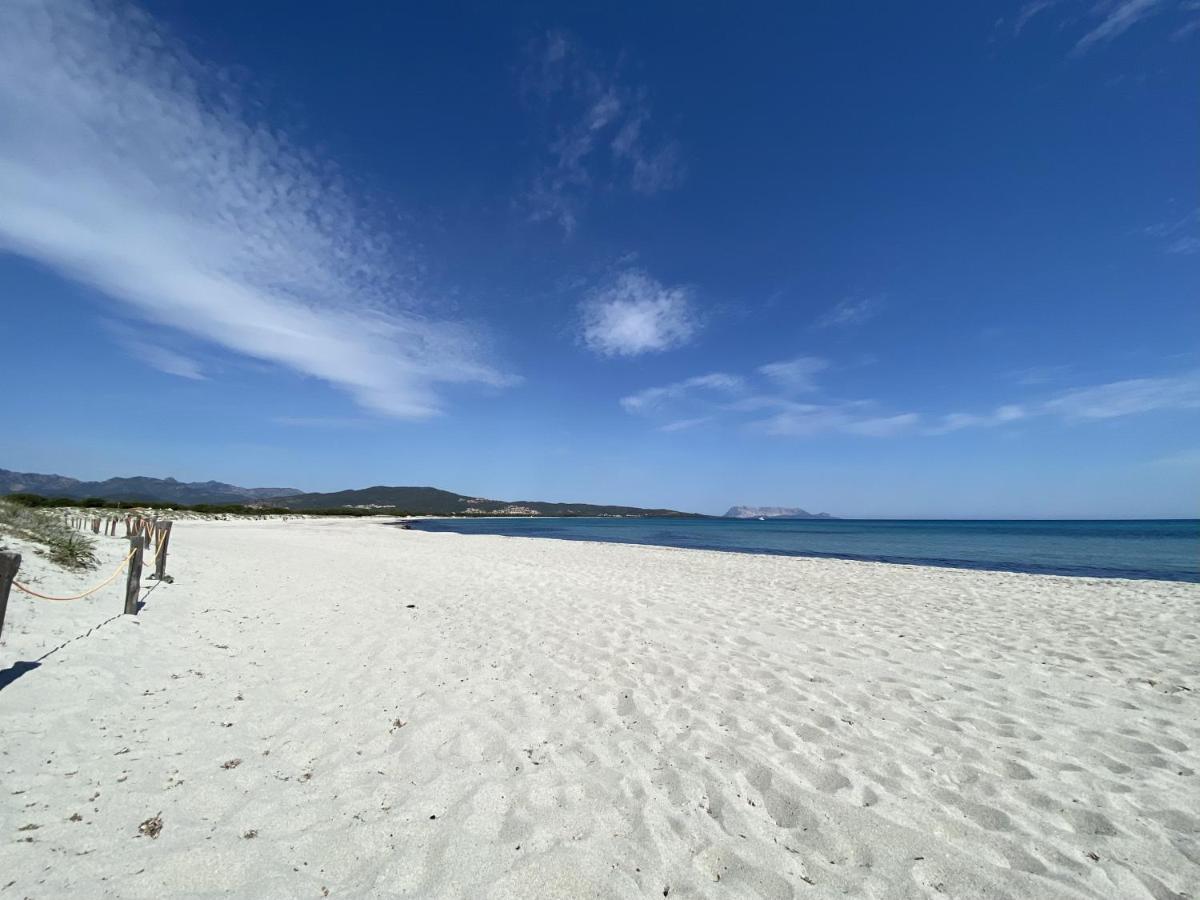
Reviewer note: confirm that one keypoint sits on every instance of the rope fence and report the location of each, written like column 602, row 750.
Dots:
column 25, row 589
column 141, row 533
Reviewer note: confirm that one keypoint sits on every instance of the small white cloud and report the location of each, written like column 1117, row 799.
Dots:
column 636, row 314
column 795, row 374
column 851, row 311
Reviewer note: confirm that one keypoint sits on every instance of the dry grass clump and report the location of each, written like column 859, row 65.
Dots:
column 64, row 546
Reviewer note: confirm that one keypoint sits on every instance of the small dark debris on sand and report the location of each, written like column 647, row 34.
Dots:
column 252, row 833
column 231, row 764
column 152, row 827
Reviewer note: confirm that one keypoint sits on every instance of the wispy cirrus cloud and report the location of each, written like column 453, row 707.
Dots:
column 1094, row 23
column 147, row 347
column 797, row 374
column 1002, row 415
column 1028, row 11
column 1180, row 235
column 758, row 404
column 1190, row 27
column 128, row 166
column 1131, row 396
column 809, row 420
column 684, row 424
column 1184, row 459
column 634, row 314
column 601, row 133
column 1112, row 400
column 851, row 311
column 1116, row 17
column 655, row 398
column 765, row 403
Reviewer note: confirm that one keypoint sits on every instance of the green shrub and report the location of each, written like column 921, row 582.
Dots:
column 64, row 546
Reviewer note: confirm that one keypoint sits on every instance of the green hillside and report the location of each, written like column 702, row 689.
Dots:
column 432, row 501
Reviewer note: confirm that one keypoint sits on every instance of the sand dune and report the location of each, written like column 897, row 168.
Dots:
column 344, row 707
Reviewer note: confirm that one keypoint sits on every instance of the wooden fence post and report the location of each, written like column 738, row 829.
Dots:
column 133, row 583
column 164, row 541
column 9, row 563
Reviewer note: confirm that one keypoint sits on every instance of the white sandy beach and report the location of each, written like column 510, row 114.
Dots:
column 559, row 719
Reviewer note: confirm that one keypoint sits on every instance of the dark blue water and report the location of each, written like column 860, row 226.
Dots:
column 1165, row 549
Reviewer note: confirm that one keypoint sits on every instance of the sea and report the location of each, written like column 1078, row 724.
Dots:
column 1155, row 549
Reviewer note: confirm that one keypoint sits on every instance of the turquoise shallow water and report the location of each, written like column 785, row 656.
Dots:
column 1162, row 549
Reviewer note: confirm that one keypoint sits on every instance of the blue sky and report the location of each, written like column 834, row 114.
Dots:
column 876, row 259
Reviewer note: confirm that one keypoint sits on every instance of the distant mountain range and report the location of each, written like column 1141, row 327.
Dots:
column 139, row 487
column 415, row 500
column 772, row 512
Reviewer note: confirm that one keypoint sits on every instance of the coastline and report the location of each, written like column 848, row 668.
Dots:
column 585, row 718
column 1021, row 560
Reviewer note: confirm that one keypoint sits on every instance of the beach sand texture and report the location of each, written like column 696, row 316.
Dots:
column 435, row 715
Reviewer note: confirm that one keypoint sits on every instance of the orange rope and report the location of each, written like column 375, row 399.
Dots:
column 157, row 553
column 33, row 593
